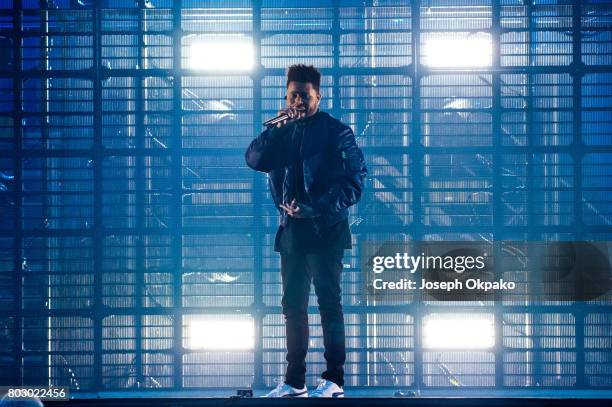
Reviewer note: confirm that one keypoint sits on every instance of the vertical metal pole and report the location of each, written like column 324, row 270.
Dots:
column 336, row 108
column 140, row 199
column 577, row 154
column 18, row 195
column 177, row 188
column 533, row 362
column 97, row 156
column 417, row 176
column 44, row 124
column 258, row 308
column 337, row 113
column 498, row 219
column 531, row 217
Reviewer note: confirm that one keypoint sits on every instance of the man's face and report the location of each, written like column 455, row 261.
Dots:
column 303, row 95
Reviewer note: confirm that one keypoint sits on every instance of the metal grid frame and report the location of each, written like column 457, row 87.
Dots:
column 112, row 326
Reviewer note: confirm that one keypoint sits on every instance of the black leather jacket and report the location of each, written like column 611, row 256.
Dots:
column 333, row 165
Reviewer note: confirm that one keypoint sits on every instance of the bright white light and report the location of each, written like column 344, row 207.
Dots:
column 213, row 333
column 466, row 51
column 458, row 331
column 216, row 54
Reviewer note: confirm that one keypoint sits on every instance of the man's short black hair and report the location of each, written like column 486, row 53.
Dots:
column 304, row 73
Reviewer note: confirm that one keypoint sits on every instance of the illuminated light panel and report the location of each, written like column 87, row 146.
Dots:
column 210, row 333
column 469, row 51
column 222, row 54
column 458, row 331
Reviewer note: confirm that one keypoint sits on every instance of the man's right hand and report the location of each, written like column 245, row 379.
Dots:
column 293, row 113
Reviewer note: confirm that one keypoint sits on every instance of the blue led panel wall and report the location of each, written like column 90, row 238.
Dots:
column 137, row 247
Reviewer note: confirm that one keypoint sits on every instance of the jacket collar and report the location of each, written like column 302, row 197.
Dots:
column 308, row 120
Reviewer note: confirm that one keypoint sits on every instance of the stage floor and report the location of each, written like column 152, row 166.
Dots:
column 354, row 397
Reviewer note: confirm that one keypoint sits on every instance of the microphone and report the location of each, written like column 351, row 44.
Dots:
column 279, row 118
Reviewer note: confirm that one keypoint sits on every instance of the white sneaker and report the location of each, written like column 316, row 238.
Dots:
column 284, row 390
column 327, row 389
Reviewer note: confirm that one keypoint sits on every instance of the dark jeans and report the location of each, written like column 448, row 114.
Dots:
column 297, row 271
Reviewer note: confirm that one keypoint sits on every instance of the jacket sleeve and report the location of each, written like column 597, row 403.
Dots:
column 346, row 188
column 268, row 150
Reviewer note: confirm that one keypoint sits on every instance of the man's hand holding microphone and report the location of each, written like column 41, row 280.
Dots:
column 292, row 113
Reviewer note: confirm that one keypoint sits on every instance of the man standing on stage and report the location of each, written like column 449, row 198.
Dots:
column 315, row 173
